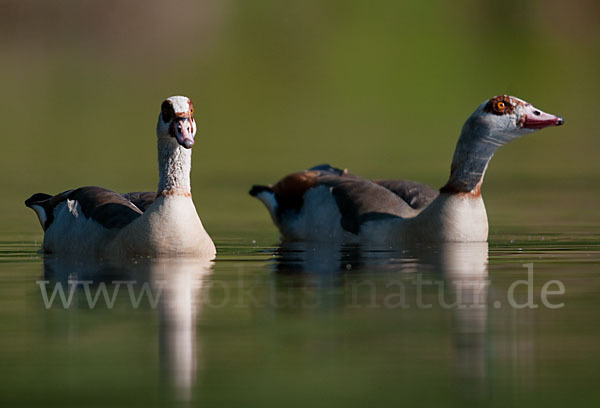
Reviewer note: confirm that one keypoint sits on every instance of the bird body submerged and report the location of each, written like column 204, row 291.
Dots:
column 92, row 221
column 329, row 204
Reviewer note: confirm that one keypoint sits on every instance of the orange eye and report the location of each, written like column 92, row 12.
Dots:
column 500, row 105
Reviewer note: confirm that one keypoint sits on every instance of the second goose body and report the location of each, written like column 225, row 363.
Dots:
column 329, row 204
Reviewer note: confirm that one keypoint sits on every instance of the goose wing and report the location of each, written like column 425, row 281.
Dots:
column 141, row 200
column 358, row 199
column 415, row 194
column 106, row 207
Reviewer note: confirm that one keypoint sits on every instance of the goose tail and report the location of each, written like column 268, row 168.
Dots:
column 267, row 196
column 37, row 203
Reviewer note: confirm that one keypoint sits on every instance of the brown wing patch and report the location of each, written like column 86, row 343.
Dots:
column 501, row 105
column 290, row 190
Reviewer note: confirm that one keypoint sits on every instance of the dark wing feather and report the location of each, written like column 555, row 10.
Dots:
column 141, row 200
column 417, row 195
column 37, row 198
column 106, row 207
column 360, row 200
column 326, row 168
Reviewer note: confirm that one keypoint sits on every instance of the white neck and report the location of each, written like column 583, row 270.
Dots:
column 174, row 166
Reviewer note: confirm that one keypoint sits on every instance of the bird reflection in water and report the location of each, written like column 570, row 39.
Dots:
column 464, row 267
column 460, row 269
column 175, row 290
column 179, row 308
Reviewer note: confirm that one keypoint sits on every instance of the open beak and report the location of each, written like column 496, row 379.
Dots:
column 183, row 129
column 536, row 119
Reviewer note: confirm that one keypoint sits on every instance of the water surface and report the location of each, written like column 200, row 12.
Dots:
column 299, row 325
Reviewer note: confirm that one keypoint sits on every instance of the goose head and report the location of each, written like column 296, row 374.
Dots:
column 494, row 123
column 176, row 121
column 504, row 118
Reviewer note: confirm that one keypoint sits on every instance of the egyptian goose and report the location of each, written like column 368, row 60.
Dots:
column 96, row 221
column 329, row 204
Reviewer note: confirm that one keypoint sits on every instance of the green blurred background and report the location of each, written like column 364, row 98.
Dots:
column 381, row 88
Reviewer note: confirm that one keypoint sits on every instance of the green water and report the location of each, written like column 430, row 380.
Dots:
column 301, row 326
column 382, row 89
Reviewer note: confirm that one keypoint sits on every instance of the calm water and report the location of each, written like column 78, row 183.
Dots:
column 304, row 326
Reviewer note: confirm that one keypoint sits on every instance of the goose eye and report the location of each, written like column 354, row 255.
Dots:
column 500, row 106
column 166, row 111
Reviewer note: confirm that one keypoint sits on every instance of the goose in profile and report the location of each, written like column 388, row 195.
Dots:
column 329, row 204
column 96, row 221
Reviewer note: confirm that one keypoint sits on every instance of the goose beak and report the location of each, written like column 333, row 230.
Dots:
column 536, row 119
column 184, row 131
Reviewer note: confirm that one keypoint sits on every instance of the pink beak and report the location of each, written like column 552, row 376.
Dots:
column 536, row 119
column 184, row 132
